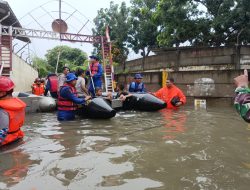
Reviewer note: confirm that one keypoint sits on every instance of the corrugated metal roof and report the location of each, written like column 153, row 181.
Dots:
column 11, row 20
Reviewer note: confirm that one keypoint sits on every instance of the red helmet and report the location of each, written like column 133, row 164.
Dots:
column 6, row 84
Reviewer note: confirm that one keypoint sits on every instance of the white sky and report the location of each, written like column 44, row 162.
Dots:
column 86, row 9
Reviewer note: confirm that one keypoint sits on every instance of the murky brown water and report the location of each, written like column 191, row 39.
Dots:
column 184, row 149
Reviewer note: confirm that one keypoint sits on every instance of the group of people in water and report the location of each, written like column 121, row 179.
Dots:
column 70, row 90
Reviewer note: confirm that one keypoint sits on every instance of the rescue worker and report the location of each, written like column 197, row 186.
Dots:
column 95, row 72
column 12, row 113
column 137, row 85
column 242, row 98
column 38, row 87
column 62, row 77
column 51, row 85
column 68, row 100
column 171, row 94
column 81, row 83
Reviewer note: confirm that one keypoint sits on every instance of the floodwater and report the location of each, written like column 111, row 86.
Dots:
column 184, row 149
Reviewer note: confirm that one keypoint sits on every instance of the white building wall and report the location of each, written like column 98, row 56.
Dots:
column 22, row 74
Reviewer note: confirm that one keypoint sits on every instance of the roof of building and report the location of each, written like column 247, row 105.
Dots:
column 11, row 20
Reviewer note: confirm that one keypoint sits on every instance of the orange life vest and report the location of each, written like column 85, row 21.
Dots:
column 16, row 110
column 38, row 89
column 167, row 94
column 65, row 104
column 53, row 83
column 94, row 68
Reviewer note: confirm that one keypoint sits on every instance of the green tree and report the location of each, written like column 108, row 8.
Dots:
column 230, row 21
column 116, row 17
column 70, row 57
column 219, row 22
column 41, row 65
column 143, row 30
column 179, row 22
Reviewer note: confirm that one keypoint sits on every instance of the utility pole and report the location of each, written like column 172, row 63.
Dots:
column 238, row 47
column 60, row 17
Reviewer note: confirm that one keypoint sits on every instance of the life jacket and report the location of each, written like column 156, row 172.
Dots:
column 38, row 89
column 94, row 68
column 16, row 110
column 137, row 88
column 65, row 104
column 167, row 95
column 53, row 83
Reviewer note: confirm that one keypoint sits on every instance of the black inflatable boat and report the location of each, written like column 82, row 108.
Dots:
column 143, row 102
column 98, row 108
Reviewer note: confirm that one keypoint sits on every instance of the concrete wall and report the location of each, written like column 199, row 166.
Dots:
column 215, row 86
column 22, row 74
column 200, row 73
column 189, row 58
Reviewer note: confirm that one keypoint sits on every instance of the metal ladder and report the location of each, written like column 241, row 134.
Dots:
column 5, row 55
column 107, row 64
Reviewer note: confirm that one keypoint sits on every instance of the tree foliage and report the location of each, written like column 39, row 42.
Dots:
column 203, row 22
column 70, row 57
column 180, row 22
column 173, row 23
column 41, row 65
column 116, row 17
column 143, row 28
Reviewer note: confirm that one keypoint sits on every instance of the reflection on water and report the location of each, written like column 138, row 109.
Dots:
column 183, row 149
column 174, row 122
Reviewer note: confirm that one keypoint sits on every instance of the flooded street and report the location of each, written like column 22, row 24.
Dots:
column 185, row 149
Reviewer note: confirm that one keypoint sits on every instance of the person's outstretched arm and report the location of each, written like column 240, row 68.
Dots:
column 242, row 98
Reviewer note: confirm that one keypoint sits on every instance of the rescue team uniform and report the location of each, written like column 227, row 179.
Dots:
column 67, row 102
column 38, row 89
column 52, row 86
column 241, row 102
column 167, row 94
column 14, row 109
column 137, row 87
column 96, row 70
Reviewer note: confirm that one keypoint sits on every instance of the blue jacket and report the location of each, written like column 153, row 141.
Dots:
column 137, row 87
column 67, row 94
column 98, row 76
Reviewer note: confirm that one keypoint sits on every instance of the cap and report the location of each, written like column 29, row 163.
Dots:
column 138, row 76
column 94, row 57
column 70, row 77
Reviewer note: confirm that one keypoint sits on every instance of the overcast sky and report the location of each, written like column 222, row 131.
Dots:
column 32, row 14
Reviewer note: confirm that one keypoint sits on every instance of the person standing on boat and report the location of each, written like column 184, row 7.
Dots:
column 12, row 113
column 62, row 77
column 171, row 95
column 137, row 86
column 51, row 85
column 95, row 72
column 68, row 100
column 242, row 98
